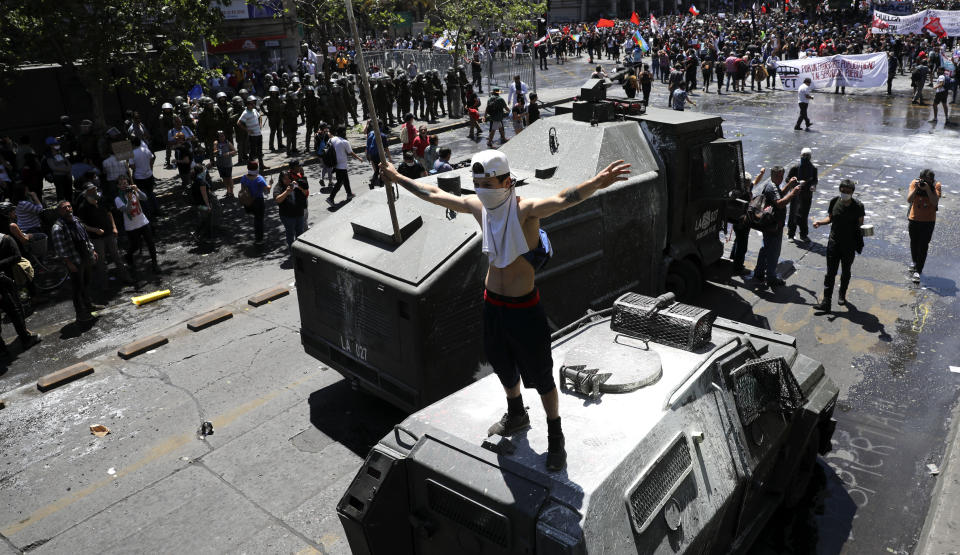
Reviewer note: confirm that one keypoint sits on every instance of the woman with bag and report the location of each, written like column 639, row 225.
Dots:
column 252, row 188
column 223, row 151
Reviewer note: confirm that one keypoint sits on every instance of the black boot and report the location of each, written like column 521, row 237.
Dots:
column 824, row 304
column 842, row 300
column 556, row 454
column 513, row 421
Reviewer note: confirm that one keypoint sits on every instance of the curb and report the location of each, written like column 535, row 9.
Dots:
column 938, row 531
column 64, row 375
column 211, row 318
column 141, row 346
column 265, row 297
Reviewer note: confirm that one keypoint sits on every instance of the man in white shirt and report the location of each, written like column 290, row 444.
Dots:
column 518, row 87
column 251, row 122
column 113, row 168
column 343, row 149
column 803, row 99
column 143, row 160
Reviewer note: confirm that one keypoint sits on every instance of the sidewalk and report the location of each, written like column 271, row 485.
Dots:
column 941, row 530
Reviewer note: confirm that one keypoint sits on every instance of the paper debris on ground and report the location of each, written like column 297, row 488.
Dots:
column 955, row 369
column 934, row 470
column 99, row 430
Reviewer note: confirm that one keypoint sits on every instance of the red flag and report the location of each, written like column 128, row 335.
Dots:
column 694, row 11
column 933, row 25
column 566, row 30
column 763, row 8
column 605, row 23
column 635, row 19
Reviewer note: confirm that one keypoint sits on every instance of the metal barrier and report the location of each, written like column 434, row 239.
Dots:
column 401, row 59
column 500, row 72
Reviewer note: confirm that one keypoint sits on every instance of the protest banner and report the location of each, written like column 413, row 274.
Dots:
column 941, row 23
column 858, row 70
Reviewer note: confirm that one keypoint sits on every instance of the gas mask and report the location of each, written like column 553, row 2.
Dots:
column 493, row 198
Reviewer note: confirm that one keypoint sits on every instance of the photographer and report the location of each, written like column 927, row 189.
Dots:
column 924, row 199
column 130, row 203
column 291, row 198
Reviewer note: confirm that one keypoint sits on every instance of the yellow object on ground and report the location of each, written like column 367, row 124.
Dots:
column 150, row 297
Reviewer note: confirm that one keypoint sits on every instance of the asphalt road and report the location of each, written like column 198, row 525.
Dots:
column 289, row 434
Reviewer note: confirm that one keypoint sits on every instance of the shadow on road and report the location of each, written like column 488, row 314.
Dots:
column 353, row 418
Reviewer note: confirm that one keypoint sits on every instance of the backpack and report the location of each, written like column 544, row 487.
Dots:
column 404, row 134
column 329, row 155
column 496, row 108
column 760, row 215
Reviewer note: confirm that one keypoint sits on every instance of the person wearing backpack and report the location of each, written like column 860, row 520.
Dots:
column 737, row 216
column 407, row 133
column 496, row 110
column 773, row 200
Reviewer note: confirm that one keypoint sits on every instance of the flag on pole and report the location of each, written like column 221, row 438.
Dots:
column 640, row 42
column 694, row 11
column 195, row 93
column 312, row 56
column 635, row 19
column 653, row 23
column 763, row 8
column 605, row 22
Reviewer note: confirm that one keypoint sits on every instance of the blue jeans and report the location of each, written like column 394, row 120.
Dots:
column 769, row 255
column 293, row 226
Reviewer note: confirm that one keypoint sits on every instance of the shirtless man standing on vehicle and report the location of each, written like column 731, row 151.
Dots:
column 516, row 335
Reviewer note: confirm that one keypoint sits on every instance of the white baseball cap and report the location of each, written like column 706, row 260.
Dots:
column 806, row 151
column 489, row 163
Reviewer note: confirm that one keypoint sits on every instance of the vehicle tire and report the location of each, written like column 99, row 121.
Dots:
column 804, row 471
column 684, row 280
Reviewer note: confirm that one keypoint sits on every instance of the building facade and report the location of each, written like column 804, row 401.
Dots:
column 262, row 36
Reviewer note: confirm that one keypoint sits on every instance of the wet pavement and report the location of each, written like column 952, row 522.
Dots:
column 290, row 434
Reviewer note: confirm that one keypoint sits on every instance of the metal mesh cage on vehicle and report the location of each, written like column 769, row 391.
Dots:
column 765, row 385
column 662, row 321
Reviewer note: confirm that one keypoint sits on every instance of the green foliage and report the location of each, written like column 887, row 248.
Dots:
column 329, row 17
column 460, row 17
column 146, row 45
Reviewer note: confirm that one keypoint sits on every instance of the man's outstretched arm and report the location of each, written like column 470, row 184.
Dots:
column 543, row 207
column 429, row 193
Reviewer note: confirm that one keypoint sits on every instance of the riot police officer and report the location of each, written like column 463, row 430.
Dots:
column 338, row 109
column 223, row 116
column 454, row 100
column 206, row 126
column 438, row 92
column 350, row 97
column 274, row 107
column 417, row 93
column 291, row 112
column 402, row 86
column 311, row 115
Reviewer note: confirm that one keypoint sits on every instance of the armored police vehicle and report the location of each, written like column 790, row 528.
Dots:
column 684, row 433
column 396, row 319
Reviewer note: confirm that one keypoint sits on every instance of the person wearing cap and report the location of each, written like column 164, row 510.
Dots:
column 494, row 113
column 257, row 186
column 251, row 123
column 58, row 169
column 516, row 334
column 844, row 216
column 806, row 174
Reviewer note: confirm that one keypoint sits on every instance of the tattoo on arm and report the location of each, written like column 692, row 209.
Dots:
column 414, row 188
column 571, row 195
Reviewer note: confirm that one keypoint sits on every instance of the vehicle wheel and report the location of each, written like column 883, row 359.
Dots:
column 805, row 468
column 684, row 279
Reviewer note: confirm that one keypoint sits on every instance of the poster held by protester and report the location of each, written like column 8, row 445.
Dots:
column 941, row 23
column 858, row 70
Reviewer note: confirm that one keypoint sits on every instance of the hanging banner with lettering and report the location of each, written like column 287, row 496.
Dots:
column 940, row 23
column 857, row 70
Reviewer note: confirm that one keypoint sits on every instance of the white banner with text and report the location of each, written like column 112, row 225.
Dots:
column 857, row 70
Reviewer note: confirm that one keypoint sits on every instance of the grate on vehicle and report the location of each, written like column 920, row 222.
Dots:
column 765, row 385
column 653, row 489
column 678, row 325
column 469, row 514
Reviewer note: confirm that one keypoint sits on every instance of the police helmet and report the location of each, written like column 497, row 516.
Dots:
column 221, row 94
column 166, row 106
column 274, row 89
column 178, row 100
column 243, row 93
column 237, row 99
column 295, row 79
column 251, row 98
column 6, row 207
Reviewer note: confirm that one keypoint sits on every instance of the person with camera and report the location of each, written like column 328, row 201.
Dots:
column 130, row 203
column 291, row 196
column 776, row 198
column 924, row 199
column 844, row 216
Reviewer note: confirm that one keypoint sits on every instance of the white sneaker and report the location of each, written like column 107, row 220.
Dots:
column 916, row 277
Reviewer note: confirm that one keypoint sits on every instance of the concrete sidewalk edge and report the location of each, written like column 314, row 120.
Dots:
column 941, row 529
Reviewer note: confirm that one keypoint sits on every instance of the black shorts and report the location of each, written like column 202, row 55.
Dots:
column 940, row 98
column 516, row 341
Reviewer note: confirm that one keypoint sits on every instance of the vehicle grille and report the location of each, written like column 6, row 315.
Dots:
column 677, row 325
column 457, row 323
column 651, row 492
column 764, row 385
column 468, row 513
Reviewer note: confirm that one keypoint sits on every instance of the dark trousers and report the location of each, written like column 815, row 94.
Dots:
column 920, row 235
column 918, row 93
column 293, row 226
column 14, row 311
column 803, row 115
column 741, row 238
column 343, row 180
column 799, row 214
column 842, row 259
column 890, row 84
column 275, row 131
column 257, row 211
column 478, row 82
column 134, row 237
column 256, row 149
column 80, row 283
column 64, row 186
column 769, row 255
column 543, row 62
column 146, row 185
column 646, row 93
